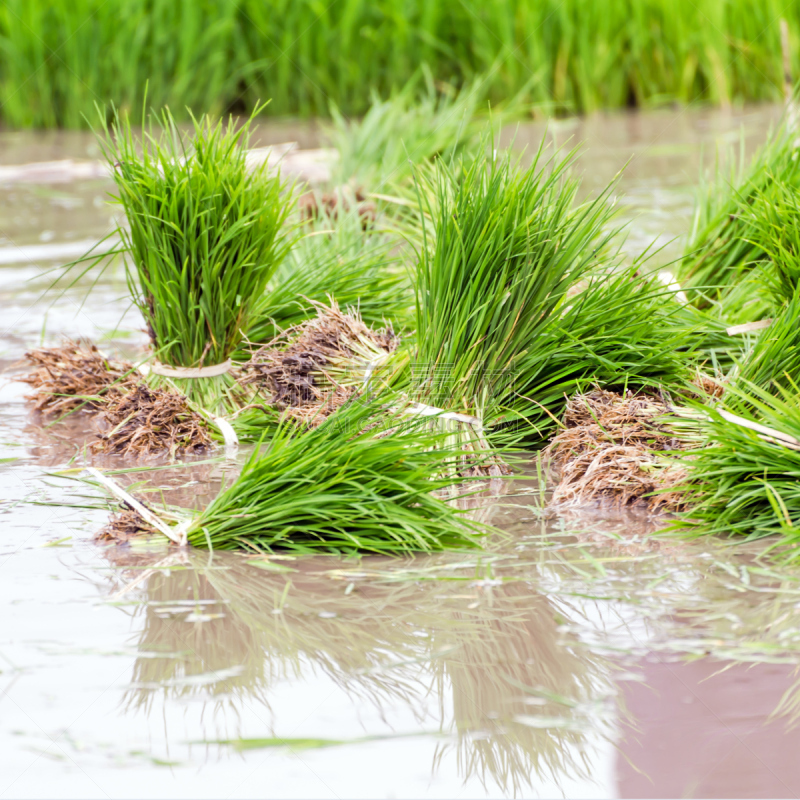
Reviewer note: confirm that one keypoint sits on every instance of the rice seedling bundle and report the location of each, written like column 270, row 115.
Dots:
column 311, row 370
column 505, row 247
column 498, row 337
column 203, row 240
column 747, row 481
column 724, row 241
column 616, row 330
column 360, row 481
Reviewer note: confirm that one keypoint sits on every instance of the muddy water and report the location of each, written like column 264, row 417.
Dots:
column 576, row 656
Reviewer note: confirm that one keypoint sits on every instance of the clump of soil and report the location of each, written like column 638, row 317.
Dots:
column 76, row 375
column 124, row 526
column 312, row 204
column 612, row 450
column 315, row 367
column 147, row 420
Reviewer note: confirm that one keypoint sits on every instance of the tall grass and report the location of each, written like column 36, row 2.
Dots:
column 58, row 58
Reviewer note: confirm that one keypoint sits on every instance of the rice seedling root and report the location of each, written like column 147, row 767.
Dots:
column 312, row 369
column 612, row 449
column 75, row 376
column 136, row 420
column 124, row 526
column 146, row 421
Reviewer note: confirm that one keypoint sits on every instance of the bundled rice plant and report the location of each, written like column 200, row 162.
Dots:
column 504, row 248
column 747, row 480
column 204, row 237
column 314, row 368
column 358, row 482
column 521, row 303
column 724, row 241
column 617, row 330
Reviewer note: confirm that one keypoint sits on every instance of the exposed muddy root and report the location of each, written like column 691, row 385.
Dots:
column 147, row 421
column 124, row 526
column 313, row 368
column 76, row 375
column 612, row 450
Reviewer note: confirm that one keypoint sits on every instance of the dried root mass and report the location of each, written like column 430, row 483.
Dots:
column 76, row 376
column 147, row 421
column 613, row 450
column 136, row 419
column 313, row 368
column 313, row 204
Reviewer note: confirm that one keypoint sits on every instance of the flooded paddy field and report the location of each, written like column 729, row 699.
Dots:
column 574, row 655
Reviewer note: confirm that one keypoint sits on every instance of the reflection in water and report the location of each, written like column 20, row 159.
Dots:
column 223, row 628
column 525, row 658
column 523, row 699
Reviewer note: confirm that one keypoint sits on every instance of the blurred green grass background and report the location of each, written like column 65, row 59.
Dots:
column 58, row 58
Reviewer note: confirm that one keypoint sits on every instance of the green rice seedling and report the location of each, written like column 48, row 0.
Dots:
column 497, row 336
column 747, row 480
column 743, row 302
column 505, row 246
column 203, row 239
column 412, row 126
column 336, row 259
column 360, row 481
column 724, row 239
column 774, row 358
column 775, row 219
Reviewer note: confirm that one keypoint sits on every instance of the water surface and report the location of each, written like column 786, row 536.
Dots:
column 576, row 656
